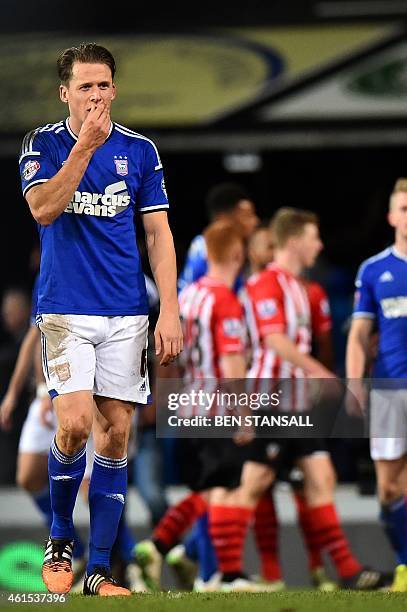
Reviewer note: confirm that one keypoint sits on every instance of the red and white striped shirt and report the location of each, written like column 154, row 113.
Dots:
column 277, row 302
column 213, row 325
column 320, row 311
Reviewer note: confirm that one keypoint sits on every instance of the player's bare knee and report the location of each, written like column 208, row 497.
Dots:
column 73, row 434
column 256, row 478
column 30, row 481
column 320, row 480
column 328, row 481
column 389, row 491
column 319, row 489
column 116, row 439
column 23, row 480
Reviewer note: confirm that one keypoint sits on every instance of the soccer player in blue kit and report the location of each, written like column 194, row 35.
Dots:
column 84, row 178
column 381, row 299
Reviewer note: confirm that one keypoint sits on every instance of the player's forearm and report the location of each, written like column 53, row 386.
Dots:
column 161, row 254
column 48, row 200
column 24, row 362
column 38, row 369
column 324, row 350
column 288, row 351
column 356, row 356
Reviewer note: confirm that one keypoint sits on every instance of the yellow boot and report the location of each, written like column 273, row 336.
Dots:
column 400, row 579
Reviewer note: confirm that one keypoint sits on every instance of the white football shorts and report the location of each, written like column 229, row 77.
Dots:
column 105, row 355
column 36, row 437
column 388, row 419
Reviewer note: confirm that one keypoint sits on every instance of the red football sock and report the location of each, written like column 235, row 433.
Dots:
column 228, row 527
column 266, row 532
column 303, row 517
column 178, row 519
column 326, row 532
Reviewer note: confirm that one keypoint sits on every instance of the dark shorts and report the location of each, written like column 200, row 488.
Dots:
column 282, row 454
column 212, row 462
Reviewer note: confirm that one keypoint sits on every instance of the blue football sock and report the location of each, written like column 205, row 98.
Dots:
column 42, row 500
column 394, row 517
column 65, row 476
column 78, row 547
column 191, row 544
column 125, row 540
column 107, row 495
column 208, row 563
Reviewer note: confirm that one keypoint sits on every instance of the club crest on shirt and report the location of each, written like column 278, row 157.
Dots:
column 272, row 450
column 30, row 169
column 266, row 308
column 232, row 328
column 122, row 165
column 324, row 306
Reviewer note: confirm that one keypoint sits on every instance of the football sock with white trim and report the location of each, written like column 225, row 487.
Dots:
column 107, row 496
column 65, row 476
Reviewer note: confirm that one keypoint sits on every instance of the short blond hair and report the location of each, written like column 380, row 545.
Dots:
column 220, row 238
column 288, row 222
column 399, row 187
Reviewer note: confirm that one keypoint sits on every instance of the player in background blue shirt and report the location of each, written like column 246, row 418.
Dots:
column 84, row 178
column 224, row 202
column 381, row 300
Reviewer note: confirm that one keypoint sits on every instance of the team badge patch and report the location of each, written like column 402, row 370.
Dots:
column 63, row 371
column 30, row 169
column 272, row 450
column 232, row 328
column 122, row 165
column 266, row 308
column 325, row 307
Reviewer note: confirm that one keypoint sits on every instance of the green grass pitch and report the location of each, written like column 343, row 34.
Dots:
column 285, row 601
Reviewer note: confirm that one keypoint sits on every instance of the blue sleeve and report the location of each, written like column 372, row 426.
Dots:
column 196, row 264
column 239, row 284
column 365, row 303
column 37, row 162
column 152, row 195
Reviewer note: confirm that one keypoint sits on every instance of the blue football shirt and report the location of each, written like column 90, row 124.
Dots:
column 89, row 259
column 381, row 294
column 196, row 264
